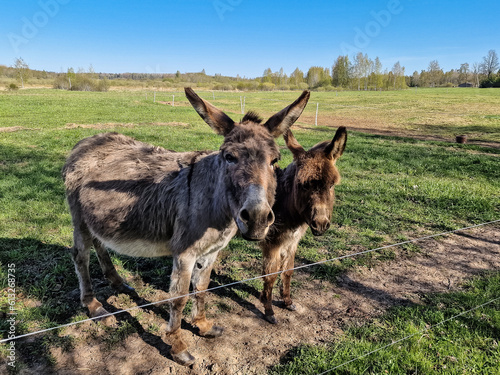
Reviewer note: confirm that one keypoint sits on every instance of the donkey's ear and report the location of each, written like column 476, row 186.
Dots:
column 336, row 147
column 285, row 118
column 218, row 120
column 293, row 145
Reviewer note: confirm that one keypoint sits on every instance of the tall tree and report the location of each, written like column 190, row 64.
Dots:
column 415, row 79
column 71, row 76
column 463, row 73
column 377, row 70
column 341, row 71
column 475, row 73
column 367, row 69
column 490, row 63
column 297, row 77
column 358, row 68
column 318, row 76
column 267, row 76
column 397, row 72
column 435, row 73
column 22, row 70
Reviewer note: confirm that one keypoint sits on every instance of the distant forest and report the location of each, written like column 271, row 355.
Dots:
column 357, row 73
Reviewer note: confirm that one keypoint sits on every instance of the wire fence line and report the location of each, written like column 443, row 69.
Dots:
column 426, row 329
column 247, row 280
column 170, row 96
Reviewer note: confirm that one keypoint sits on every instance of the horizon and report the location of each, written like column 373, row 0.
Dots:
column 220, row 37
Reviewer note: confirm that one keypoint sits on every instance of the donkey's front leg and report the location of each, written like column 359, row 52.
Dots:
column 200, row 280
column 287, row 264
column 271, row 262
column 179, row 287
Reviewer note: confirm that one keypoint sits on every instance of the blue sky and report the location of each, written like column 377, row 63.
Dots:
column 244, row 37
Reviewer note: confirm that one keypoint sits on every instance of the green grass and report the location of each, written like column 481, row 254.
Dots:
column 434, row 340
column 392, row 189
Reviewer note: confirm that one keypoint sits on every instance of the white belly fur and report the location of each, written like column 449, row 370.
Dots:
column 212, row 241
column 139, row 248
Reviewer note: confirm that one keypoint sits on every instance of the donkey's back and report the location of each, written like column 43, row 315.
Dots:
column 114, row 157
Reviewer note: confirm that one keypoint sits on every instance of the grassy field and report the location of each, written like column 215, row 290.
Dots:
column 392, row 188
column 413, row 340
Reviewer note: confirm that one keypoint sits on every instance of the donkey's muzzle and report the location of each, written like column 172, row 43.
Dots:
column 320, row 221
column 256, row 215
column 319, row 227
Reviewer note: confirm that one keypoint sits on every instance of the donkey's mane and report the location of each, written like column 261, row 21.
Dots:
column 252, row 116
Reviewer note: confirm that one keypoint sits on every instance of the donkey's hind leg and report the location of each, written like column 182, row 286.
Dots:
column 200, row 279
column 109, row 270
column 80, row 252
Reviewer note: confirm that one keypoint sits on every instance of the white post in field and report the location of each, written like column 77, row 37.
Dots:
column 317, row 108
column 173, row 100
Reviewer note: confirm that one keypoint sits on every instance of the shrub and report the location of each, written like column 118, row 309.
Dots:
column 223, row 87
column 81, row 82
column 103, row 85
column 12, row 87
column 266, row 86
column 303, row 86
column 61, row 83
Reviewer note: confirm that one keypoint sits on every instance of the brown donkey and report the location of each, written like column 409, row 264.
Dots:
column 141, row 200
column 304, row 197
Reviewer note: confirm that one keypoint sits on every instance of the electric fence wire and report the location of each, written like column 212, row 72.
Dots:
column 245, row 280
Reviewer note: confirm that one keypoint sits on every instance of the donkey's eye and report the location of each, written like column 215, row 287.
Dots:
column 230, row 158
column 275, row 161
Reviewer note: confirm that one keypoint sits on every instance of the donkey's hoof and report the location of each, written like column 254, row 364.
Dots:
column 271, row 319
column 124, row 288
column 291, row 307
column 102, row 315
column 214, row 332
column 183, row 358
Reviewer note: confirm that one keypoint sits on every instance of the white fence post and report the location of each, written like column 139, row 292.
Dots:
column 173, row 100
column 317, row 108
column 154, row 96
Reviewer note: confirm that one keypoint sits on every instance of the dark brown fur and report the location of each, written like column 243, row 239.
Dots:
column 142, row 200
column 304, row 197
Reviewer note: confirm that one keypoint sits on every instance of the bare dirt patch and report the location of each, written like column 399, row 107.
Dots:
column 175, row 104
column 250, row 345
column 378, row 126
column 11, row 129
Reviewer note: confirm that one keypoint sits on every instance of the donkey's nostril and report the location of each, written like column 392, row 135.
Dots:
column 244, row 215
column 270, row 218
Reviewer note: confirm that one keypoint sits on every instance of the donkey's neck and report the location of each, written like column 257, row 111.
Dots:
column 285, row 209
column 207, row 175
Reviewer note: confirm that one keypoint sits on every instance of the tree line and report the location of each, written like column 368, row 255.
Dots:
column 358, row 72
